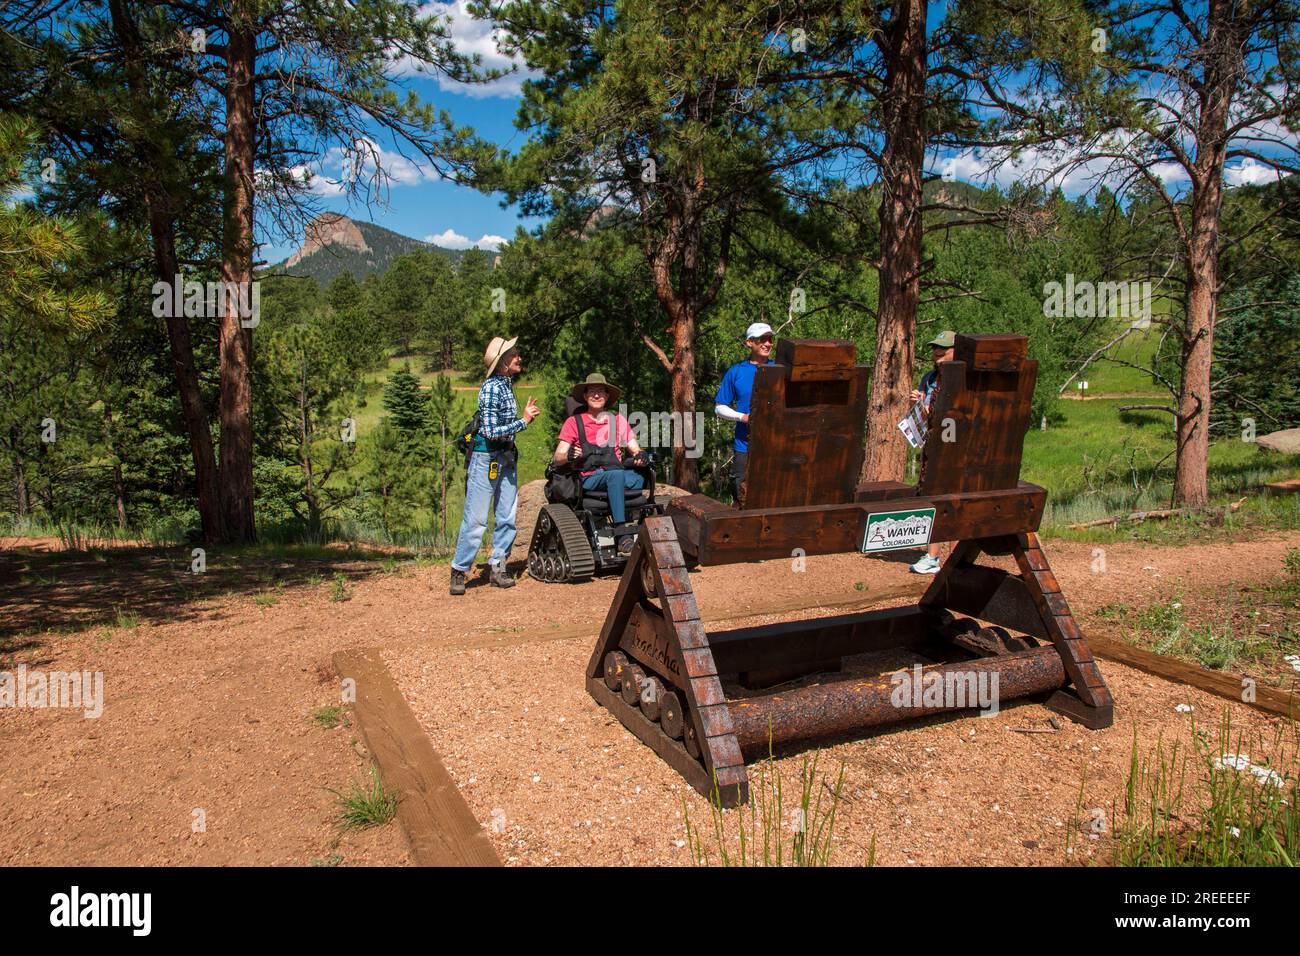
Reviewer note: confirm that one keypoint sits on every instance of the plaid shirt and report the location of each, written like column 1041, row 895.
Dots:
column 498, row 411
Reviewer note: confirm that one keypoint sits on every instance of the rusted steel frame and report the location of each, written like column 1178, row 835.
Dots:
column 726, row 536
column 824, row 710
column 775, row 646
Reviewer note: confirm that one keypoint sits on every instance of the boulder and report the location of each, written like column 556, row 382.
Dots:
column 1287, row 442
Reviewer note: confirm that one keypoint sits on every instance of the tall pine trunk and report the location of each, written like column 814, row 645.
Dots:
column 901, row 167
column 1222, row 72
column 236, row 409
column 193, row 409
column 119, row 479
column 162, row 233
column 22, row 494
column 1191, row 487
column 686, row 473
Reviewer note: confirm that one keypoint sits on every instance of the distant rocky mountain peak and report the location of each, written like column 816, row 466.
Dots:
column 335, row 244
column 330, row 229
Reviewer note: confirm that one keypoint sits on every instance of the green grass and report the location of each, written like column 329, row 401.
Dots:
column 339, row 587
column 1228, row 800
column 265, row 599
column 124, row 620
column 1257, row 515
column 768, row 830
column 328, row 717
column 1096, row 461
column 1165, row 629
column 361, row 806
column 1255, row 629
column 1108, row 375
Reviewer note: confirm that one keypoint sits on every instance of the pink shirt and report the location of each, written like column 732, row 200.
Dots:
column 597, row 432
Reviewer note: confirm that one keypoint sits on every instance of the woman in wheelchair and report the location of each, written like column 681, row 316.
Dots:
column 597, row 452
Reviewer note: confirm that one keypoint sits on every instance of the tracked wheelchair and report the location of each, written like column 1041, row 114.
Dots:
column 575, row 537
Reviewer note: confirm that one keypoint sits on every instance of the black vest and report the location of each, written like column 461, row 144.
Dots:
column 595, row 457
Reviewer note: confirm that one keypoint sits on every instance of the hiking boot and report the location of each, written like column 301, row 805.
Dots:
column 927, row 565
column 457, row 581
column 501, row 578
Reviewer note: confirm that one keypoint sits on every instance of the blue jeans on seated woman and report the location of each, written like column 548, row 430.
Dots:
column 615, row 483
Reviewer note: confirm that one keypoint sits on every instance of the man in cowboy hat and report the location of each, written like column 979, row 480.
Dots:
column 600, row 457
column 734, row 394
column 491, row 480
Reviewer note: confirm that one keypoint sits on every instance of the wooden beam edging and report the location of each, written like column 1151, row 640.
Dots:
column 1220, row 683
column 434, row 816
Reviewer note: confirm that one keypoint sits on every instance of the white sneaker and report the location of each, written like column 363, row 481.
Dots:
column 927, row 565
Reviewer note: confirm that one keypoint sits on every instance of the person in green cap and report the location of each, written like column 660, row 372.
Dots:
column 598, row 451
column 941, row 350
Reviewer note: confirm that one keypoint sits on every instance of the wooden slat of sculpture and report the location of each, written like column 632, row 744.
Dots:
column 805, row 427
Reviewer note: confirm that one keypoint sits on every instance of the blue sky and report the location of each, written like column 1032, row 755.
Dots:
column 419, row 204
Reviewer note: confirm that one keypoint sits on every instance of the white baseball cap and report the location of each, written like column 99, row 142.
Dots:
column 758, row 330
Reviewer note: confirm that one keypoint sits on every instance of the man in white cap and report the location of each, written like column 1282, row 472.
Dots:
column 491, row 479
column 734, row 394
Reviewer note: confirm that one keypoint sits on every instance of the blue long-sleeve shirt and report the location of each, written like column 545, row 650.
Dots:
column 498, row 411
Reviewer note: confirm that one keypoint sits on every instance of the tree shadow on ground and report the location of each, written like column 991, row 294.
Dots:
column 68, row 591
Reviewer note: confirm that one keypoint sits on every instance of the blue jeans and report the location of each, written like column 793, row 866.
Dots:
column 481, row 494
column 615, row 482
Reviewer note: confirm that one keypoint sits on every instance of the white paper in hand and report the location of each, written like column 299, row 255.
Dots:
column 914, row 425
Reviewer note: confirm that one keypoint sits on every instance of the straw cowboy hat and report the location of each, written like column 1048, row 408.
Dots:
column 497, row 348
column 579, row 392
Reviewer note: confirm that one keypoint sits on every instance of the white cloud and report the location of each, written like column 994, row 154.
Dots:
column 359, row 165
column 1250, row 173
column 472, row 36
column 450, row 239
column 1031, row 167
column 1041, row 167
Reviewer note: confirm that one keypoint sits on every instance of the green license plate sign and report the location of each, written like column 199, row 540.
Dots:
column 891, row 530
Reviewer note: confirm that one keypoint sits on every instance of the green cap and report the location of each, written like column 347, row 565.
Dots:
column 944, row 340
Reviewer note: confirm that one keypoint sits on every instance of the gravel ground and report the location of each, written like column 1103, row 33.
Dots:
column 209, row 703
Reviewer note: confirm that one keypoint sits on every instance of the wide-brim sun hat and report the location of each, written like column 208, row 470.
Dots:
column 496, row 348
column 579, row 392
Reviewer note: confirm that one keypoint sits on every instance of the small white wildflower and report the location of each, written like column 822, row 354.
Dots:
column 1263, row 775
column 1232, row 761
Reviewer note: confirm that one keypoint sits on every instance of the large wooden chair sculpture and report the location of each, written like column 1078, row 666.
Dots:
column 661, row 674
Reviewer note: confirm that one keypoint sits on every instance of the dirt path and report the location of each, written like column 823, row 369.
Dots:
column 1108, row 396
column 208, row 703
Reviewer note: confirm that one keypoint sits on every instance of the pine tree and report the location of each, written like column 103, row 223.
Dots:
column 403, row 400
